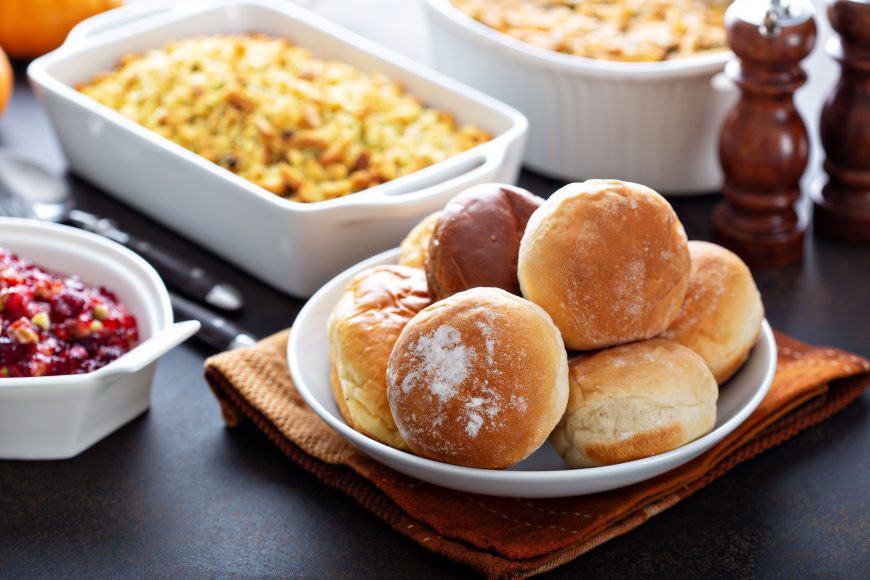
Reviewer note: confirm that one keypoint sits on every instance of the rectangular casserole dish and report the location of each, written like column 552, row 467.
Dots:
column 292, row 246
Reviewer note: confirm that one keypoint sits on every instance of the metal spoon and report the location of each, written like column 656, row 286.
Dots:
column 28, row 190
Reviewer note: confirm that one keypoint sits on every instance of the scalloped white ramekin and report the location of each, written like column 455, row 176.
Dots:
column 59, row 417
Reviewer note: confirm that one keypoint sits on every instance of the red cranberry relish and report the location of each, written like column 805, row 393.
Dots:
column 52, row 325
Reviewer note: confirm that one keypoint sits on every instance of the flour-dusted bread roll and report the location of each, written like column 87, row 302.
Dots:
column 477, row 238
column 413, row 249
column 722, row 314
column 363, row 327
column 478, row 379
column 634, row 401
column 607, row 260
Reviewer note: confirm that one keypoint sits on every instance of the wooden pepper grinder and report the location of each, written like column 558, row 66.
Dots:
column 763, row 145
column 842, row 207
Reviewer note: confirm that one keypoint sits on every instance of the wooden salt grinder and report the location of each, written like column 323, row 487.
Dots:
column 763, row 144
column 842, row 207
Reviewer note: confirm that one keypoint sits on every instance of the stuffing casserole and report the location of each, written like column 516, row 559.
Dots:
column 304, row 128
column 622, row 30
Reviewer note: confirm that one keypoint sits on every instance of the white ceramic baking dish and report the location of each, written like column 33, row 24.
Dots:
column 652, row 123
column 59, row 417
column 293, row 246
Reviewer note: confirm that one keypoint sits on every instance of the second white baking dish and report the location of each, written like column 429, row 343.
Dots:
column 653, row 123
column 293, row 246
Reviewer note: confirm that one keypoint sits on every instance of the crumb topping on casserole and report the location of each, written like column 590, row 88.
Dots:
column 302, row 127
column 626, row 30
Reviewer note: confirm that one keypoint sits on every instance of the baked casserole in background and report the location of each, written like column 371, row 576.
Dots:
column 622, row 30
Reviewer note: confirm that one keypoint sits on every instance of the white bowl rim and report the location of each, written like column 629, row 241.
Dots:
column 373, row 196
column 709, row 63
column 160, row 301
column 361, row 441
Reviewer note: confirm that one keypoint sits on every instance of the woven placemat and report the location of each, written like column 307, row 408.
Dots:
column 516, row 537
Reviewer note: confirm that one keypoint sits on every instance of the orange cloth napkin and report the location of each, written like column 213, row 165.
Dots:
column 514, row 537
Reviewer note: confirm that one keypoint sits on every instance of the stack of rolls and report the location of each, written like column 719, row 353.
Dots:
column 460, row 353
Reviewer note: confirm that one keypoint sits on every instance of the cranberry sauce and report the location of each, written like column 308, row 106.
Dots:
column 57, row 325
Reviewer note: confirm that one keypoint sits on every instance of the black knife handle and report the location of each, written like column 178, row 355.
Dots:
column 193, row 281
column 216, row 331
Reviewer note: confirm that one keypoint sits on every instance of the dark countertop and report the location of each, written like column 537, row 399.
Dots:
column 174, row 493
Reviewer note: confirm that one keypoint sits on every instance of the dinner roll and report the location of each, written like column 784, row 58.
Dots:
column 413, row 249
column 634, row 401
column 478, row 379
column 362, row 329
column 607, row 260
column 477, row 239
column 721, row 316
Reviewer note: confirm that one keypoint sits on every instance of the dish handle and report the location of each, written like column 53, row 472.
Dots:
column 150, row 350
column 112, row 19
column 405, row 199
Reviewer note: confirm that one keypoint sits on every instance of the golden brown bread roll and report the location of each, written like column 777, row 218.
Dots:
column 607, row 260
column 413, row 249
column 478, row 379
column 477, row 238
column 363, row 326
column 721, row 316
column 634, row 401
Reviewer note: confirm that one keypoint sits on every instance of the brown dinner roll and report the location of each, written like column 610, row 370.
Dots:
column 363, row 327
column 478, row 379
column 634, row 401
column 477, row 238
column 607, row 260
column 415, row 246
column 722, row 313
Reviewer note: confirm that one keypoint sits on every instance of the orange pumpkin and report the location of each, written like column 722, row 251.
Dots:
column 29, row 28
column 6, row 81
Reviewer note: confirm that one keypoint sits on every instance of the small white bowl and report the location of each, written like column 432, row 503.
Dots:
column 61, row 416
column 543, row 474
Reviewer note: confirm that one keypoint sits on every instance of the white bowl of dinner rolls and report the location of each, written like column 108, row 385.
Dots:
column 521, row 347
